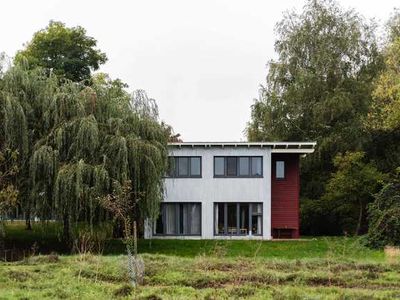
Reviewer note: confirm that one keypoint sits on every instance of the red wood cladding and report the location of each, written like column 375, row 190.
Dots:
column 285, row 210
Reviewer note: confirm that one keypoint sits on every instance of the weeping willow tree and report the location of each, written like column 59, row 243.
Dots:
column 78, row 144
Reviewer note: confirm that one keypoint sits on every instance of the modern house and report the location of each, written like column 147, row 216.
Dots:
column 231, row 190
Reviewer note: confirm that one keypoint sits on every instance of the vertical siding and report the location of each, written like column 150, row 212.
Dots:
column 285, row 195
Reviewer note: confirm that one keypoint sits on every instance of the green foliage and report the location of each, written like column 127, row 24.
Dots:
column 77, row 142
column 384, row 217
column 351, row 188
column 385, row 110
column 319, row 88
column 8, row 192
column 67, row 52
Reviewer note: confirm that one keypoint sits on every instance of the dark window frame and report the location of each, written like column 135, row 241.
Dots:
column 178, row 225
column 175, row 171
column 238, row 167
column 276, row 170
column 251, row 214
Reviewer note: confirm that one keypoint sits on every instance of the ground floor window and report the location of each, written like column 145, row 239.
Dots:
column 179, row 219
column 234, row 218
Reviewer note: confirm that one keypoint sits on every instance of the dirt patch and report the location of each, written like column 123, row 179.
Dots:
column 19, row 276
column 123, row 291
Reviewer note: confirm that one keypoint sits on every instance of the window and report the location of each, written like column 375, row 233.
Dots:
column 244, row 166
column 195, row 166
column 231, row 166
column 235, row 218
column 280, row 169
column 219, row 166
column 179, row 219
column 184, row 166
column 238, row 166
column 256, row 166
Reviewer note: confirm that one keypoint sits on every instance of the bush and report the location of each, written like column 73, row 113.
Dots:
column 384, row 217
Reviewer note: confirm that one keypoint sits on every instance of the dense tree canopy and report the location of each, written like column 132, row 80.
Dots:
column 79, row 143
column 319, row 88
column 67, row 52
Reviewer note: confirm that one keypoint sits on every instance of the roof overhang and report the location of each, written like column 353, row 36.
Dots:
column 276, row 147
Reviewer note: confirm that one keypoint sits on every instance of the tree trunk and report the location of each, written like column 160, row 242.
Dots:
column 135, row 239
column 360, row 218
column 28, row 224
column 66, row 229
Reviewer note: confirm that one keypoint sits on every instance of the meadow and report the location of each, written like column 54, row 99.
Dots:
column 310, row 268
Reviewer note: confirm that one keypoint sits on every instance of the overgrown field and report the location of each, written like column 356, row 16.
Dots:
column 321, row 268
column 201, row 277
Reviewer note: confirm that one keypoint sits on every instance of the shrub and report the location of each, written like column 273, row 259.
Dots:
column 384, row 217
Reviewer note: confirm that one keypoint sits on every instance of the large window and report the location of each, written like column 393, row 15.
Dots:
column 184, row 166
column 237, row 218
column 179, row 219
column 238, row 166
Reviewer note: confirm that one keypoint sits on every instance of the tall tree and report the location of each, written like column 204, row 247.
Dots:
column 319, row 88
column 383, row 120
column 67, row 52
column 78, row 144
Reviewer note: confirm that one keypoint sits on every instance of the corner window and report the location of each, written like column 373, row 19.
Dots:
column 179, row 219
column 238, row 166
column 280, row 169
column 184, row 166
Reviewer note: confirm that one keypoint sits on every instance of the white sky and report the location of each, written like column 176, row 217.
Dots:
column 203, row 61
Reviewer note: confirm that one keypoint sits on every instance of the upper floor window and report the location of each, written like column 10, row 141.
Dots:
column 184, row 166
column 238, row 166
column 280, row 169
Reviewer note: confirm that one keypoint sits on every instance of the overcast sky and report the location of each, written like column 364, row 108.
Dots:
column 203, row 61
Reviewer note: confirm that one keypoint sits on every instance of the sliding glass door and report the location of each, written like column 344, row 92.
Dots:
column 235, row 218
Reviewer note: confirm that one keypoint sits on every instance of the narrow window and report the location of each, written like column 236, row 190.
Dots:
column 244, row 166
column 195, row 166
column 231, row 166
column 256, row 219
column 256, row 166
column 232, row 218
column 219, row 218
column 183, row 166
column 170, row 217
column 244, row 219
column 280, row 169
column 219, row 166
column 171, row 167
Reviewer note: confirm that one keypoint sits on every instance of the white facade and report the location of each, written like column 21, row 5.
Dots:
column 209, row 189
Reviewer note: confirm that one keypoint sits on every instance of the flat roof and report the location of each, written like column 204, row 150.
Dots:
column 276, row 147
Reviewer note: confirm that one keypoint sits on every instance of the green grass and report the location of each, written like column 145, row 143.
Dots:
column 313, row 268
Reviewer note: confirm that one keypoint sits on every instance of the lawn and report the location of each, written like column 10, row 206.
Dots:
column 320, row 268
